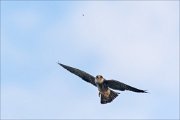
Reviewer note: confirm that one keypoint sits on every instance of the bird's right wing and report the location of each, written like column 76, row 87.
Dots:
column 85, row 76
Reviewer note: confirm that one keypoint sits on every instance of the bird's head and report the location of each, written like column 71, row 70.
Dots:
column 99, row 79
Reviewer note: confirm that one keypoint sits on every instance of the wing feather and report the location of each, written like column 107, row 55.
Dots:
column 121, row 86
column 85, row 76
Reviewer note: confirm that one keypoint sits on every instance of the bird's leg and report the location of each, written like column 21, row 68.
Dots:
column 99, row 94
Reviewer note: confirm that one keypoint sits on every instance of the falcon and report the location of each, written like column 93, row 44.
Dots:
column 104, row 86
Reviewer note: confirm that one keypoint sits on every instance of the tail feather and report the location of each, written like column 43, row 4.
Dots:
column 110, row 98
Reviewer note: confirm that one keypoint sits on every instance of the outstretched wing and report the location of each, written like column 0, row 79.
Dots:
column 85, row 76
column 121, row 86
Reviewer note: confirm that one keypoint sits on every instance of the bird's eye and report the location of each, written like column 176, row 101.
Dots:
column 96, row 76
column 101, row 77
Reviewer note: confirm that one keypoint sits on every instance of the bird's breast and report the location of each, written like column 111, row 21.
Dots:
column 102, row 87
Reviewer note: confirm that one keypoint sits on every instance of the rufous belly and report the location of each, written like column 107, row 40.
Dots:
column 105, row 93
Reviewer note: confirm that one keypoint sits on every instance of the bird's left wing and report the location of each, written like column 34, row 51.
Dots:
column 85, row 76
column 121, row 86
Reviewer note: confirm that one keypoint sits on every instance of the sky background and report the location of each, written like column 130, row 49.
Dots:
column 134, row 42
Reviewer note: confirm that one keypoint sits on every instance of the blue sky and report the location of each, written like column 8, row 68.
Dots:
column 134, row 42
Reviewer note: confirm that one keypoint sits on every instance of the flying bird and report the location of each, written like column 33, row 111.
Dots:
column 104, row 86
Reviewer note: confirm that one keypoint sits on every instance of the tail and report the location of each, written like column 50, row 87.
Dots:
column 110, row 98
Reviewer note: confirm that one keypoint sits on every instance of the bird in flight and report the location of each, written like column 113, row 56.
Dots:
column 104, row 86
